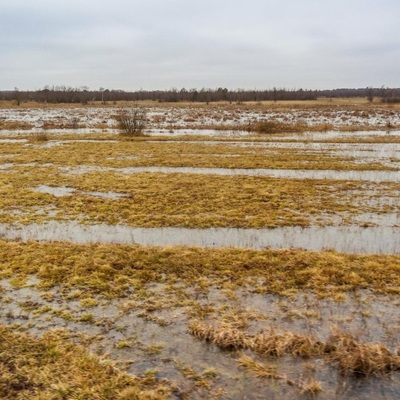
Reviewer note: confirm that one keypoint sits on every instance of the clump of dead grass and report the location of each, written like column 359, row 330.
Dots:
column 360, row 358
column 261, row 370
column 39, row 137
column 268, row 371
column 341, row 348
column 272, row 343
column 223, row 337
column 274, row 127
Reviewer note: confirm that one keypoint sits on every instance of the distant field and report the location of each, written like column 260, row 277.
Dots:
column 355, row 101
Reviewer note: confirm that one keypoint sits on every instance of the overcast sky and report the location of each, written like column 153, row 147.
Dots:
column 161, row 44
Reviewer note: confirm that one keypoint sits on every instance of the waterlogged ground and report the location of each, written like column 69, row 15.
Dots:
column 146, row 307
column 380, row 239
column 196, row 184
column 217, row 320
column 326, row 115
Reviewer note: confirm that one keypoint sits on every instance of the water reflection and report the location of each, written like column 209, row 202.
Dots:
column 348, row 239
column 60, row 191
column 368, row 176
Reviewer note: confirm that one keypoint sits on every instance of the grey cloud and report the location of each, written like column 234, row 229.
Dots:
column 158, row 44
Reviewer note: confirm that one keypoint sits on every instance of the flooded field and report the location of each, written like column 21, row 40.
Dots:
column 194, row 117
column 347, row 239
column 204, row 259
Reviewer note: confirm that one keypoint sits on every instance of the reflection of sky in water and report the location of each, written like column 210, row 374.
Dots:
column 60, row 191
column 303, row 314
column 348, row 239
column 369, row 176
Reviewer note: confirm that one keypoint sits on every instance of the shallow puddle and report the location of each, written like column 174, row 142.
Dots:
column 347, row 239
column 60, row 191
column 368, row 176
column 198, row 132
column 57, row 191
column 127, row 332
column 342, row 134
column 6, row 166
column 106, row 195
column 13, row 140
column 55, row 143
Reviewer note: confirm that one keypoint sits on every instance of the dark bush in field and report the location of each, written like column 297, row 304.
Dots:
column 132, row 122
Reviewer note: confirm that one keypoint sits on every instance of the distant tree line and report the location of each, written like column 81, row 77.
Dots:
column 83, row 95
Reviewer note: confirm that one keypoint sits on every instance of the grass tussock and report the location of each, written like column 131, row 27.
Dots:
column 274, row 127
column 261, row 370
column 39, row 137
column 53, row 368
column 341, row 348
column 267, row 371
column 272, row 343
column 360, row 358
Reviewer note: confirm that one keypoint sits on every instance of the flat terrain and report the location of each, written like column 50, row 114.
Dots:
column 208, row 258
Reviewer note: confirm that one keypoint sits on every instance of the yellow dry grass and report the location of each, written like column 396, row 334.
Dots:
column 341, row 348
column 267, row 371
column 185, row 200
column 51, row 367
column 110, row 270
column 12, row 125
column 273, row 343
column 356, row 102
column 360, row 358
column 180, row 154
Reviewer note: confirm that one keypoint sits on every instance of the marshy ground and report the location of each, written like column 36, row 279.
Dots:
column 83, row 317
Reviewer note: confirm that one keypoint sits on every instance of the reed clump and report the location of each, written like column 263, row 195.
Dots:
column 360, row 358
column 224, row 338
column 341, row 348
column 272, row 343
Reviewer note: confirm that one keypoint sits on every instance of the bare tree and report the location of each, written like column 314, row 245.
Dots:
column 370, row 94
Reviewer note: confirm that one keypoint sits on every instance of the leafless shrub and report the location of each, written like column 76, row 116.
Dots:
column 75, row 123
column 132, row 122
column 389, row 125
